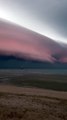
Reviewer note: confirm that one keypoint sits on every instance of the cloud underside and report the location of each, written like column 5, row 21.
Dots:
column 21, row 42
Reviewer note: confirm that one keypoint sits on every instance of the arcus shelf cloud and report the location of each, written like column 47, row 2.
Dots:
column 46, row 19
column 21, row 42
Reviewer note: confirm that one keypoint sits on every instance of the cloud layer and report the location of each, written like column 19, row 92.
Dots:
column 15, row 40
column 48, row 17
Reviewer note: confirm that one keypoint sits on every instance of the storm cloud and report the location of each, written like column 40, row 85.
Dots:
column 48, row 17
column 16, row 40
column 35, row 29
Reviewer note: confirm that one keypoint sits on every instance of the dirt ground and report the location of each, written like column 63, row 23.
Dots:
column 25, row 106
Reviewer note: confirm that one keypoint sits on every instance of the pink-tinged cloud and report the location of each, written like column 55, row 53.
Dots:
column 16, row 40
column 64, row 60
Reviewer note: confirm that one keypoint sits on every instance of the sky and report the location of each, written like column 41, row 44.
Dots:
column 46, row 36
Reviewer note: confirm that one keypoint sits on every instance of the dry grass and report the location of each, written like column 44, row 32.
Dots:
column 31, row 107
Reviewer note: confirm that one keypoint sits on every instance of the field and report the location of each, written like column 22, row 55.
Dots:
column 21, row 78
column 31, row 107
column 33, row 96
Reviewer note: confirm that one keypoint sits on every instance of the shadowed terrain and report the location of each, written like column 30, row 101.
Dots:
column 29, row 95
column 44, row 79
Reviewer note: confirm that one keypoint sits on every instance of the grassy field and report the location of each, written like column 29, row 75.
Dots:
column 26, row 97
column 53, row 82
